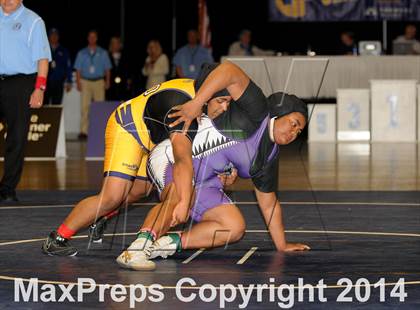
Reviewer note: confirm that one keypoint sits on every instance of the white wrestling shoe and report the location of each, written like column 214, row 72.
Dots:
column 137, row 256
column 165, row 246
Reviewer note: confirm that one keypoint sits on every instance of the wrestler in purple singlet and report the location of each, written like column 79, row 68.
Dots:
column 239, row 138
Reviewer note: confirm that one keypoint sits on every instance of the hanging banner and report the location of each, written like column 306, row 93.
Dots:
column 43, row 136
column 344, row 10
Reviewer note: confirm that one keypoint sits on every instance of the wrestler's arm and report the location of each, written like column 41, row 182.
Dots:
column 182, row 174
column 226, row 75
column 272, row 213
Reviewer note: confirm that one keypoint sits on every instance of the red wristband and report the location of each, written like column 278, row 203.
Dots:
column 41, row 83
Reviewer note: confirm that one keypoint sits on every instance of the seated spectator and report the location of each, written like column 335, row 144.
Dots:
column 189, row 58
column 347, row 46
column 156, row 66
column 409, row 38
column 244, row 47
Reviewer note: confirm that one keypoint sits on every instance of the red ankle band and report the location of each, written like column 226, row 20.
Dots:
column 65, row 232
column 111, row 214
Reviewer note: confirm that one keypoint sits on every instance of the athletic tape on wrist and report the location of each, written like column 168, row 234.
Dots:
column 41, row 83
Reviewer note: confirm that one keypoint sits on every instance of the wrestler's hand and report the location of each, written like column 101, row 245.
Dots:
column 291, row 247
column 186, row 113
column 228, row 179
column 180, row 214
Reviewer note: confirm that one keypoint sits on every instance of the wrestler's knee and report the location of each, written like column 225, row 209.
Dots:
column 112, row 199
column 139, row 190
column 114, row 192
column 236, row 226
column 237, row 231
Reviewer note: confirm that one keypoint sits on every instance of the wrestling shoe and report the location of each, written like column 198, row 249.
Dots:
column 57, row 245
column 137, row 256
column 166, row 245
column 97, row 230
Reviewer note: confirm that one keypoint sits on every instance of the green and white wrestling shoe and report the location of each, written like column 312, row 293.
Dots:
column 166, row 245
column 137, row 256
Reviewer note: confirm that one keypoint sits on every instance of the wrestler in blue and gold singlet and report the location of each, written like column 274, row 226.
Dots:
column 137, row 125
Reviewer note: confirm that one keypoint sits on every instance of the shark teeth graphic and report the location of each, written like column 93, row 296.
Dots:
column 215, row 149
column 209, row 140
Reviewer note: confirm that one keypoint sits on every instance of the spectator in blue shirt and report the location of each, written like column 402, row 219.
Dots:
column 24, row 57
column 189, row 58
column 93, row 74
column 60, row 71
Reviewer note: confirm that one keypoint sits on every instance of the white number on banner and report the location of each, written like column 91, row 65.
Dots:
column 321, row 121
column 393, row 110
column 354, row 109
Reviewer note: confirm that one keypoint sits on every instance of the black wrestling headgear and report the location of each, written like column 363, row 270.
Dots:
column 280, row 104
column 206, row 69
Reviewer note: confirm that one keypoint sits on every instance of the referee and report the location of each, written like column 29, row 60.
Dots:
column 24, row 57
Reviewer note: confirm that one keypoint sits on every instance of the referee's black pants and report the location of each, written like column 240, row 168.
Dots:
column 15, row 93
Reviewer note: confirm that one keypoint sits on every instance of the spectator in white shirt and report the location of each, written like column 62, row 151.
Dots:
column 156, row 66
column 410, row 37
column 244, row 47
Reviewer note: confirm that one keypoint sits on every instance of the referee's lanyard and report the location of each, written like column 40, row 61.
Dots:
column 92, row 65
column 192, row 54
